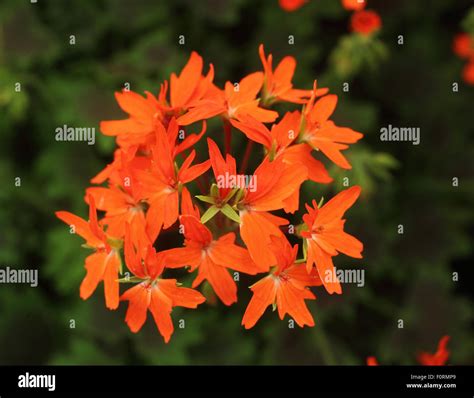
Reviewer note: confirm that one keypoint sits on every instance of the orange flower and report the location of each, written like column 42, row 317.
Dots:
column 291, row 5
column 121, row 207
column 463, row 45
column 144, row 114
column 153, row 293
column 277, row 84
column 121, row 201
column 322, row 134
column 211, row 257
column 278, row 143
column 285, row 288
column 439, row 358
column 354, row 5
column 468, row 72
column 191, row 86
column 146, row 190
column 325, row 236
column 221, row 167
column 270, row 185
column 103, row 264
column 365, row 22
column 160, row 186
column 236, row 101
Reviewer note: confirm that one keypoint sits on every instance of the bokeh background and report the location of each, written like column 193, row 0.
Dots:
column 408, row 276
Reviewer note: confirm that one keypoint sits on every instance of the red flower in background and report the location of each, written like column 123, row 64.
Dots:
column 365, row 22
column 439, row 358
column 354, row 5
column 292, row 5
column 468, row 72
column 154, row 180
column 463, row 45
column 372, row 361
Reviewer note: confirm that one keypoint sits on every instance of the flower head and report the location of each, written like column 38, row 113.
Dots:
column 325, row 236
column 365, row 22
column 354, row 5
column 285, row 288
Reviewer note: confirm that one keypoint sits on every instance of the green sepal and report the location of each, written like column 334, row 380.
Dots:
column 206, row 199
column 214, row 190
column 209, row 213
column 230, row 213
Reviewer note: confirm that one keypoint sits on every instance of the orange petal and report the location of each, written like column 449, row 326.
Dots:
column 344, row 243
column 333, row 151
column 95, row 267
column 254, row 130
column 290, row 300
column 325, row 267
column 255, row 231
column 285, row 70
column 195, row 230
column 323, row 109
column 187, row 206
column 107, row 199
column 181, row 296
column 220, row 280
column 81, row 227
column 182, row 88
column 139, row 298
column 134, row 104
column 264, row 293
column 182, row 256
column 301, row 153
column 337, row 206
column 160, row 307
column 232, row 256
column 111, row 284
column 204, row 109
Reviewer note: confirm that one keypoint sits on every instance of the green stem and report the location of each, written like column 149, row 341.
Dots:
column 324, row 346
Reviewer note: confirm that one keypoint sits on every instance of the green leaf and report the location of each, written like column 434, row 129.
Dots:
column 211, row 212
column 206, row 199
column 230, row 213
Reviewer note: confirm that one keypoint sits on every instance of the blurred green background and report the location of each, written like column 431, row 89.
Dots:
column 408, row 276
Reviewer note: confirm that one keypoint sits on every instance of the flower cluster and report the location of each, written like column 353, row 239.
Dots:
column 463, row 47
column 439, row 358
column 158, row 183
